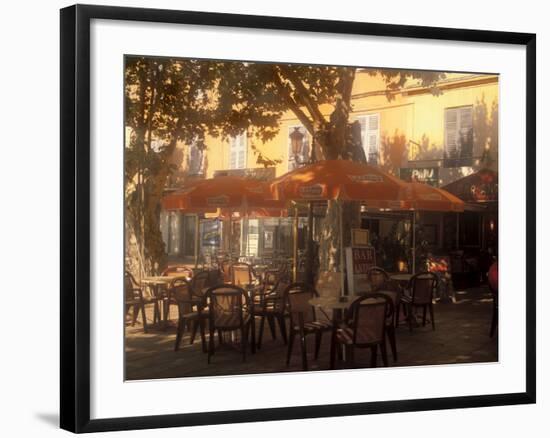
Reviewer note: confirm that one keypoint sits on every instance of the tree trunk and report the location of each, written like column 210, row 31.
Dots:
column 341, row 140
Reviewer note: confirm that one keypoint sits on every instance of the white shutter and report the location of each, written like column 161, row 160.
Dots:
column 232, row 153
column 237, row 151
column 451, row 132
column 241, row 161
column 465, row 120
column 458, row 126
column 370, row 137
column 373, row 138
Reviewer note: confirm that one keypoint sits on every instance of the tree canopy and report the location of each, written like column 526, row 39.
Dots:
column 169, row 100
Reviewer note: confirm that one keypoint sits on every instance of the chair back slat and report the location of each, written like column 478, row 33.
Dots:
column 297, row 299
column 226, row 305
column 276, row 296
column 131, row 291
column 370, row 322
column 200, row 282
column 241, row 274
column 180, row 292
column 369, row 314
column 422, row 287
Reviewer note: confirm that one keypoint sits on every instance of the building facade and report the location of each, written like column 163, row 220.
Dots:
column 432, row 135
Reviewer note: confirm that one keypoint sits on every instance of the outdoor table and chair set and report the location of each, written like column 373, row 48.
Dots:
column 231, row 298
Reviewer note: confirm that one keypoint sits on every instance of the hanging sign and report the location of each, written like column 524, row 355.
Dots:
column 427, row 175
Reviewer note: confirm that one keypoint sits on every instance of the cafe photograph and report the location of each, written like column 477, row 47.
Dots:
column 293, row 217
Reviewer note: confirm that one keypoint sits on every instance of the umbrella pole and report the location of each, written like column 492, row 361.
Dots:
column 197, row 240
column 246, row 229
column 457, row 230
column 342, row 270
column 414, row 242
column 295, row 248
column 309, row 261
column 230, row 235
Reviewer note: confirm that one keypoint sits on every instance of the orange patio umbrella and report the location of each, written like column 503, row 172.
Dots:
column 342, row 180
column 224, row 195
column 420, row 196
column 278, row 210
column 228, row 192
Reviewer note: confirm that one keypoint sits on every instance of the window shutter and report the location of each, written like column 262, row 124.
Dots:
column 232, row 153
column 451, row 132
column 370, row 137
column 241, row 161
column 373, row 138
column 465, row 119
column 458, row 136
column 364, row 141
column 237, row 151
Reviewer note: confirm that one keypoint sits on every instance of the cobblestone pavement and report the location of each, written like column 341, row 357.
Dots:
column 461, row 336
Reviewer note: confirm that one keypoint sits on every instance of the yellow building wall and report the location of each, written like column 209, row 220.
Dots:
column 411, row 126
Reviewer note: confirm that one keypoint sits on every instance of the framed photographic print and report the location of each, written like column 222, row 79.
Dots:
column 216, row 169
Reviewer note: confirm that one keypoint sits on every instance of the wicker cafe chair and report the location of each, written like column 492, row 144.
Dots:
column 272, row 307
column 190, row 311
column 493, row 287
column 134, row 298
column 303, row 320
column 200, row 282
column 421, row 288
column 377, row 277
column 392, row 290
column 367, row 327
column 242, row 275
column 228, row 312
column 494, row 317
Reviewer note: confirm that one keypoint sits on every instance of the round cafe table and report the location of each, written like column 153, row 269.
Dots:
column 401, row 278
column 156, row 283
column 339, row 309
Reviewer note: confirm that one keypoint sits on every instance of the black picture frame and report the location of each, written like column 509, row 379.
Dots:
column 75, row 217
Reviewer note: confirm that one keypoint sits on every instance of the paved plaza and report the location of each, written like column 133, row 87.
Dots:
column 461, row 336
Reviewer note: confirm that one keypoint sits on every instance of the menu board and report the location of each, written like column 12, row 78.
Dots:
column 358, row 261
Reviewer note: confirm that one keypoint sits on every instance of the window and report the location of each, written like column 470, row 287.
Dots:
column 297, row 160
column 459, row 137
column 237, row 152
column 195, row 160
column 370, row 137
